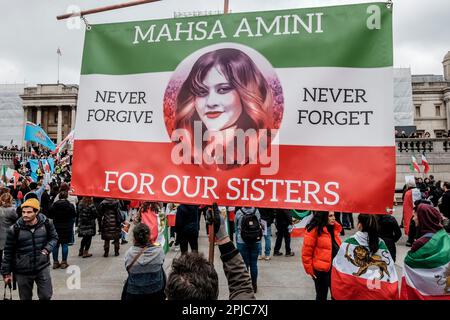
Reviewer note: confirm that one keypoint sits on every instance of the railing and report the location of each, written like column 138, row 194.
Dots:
column 8, row 155
column 419, row 145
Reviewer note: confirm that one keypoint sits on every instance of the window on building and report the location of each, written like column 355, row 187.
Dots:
column 420, row 133
column 439, row 133
column 417, row 111
column 438, row 111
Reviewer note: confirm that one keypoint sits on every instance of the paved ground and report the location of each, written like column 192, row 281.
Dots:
column 280, row 278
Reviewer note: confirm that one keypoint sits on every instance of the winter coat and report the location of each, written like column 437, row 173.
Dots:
column 24, row 256
column 317, row 250
column 444, row 207
column 238, row 219
column 389, row 231
column 111, row 224
column 408, row 206
column 283, row 218
column 86, row 220
column 8, row 217
column 45, row 203
column 267, row 214
column 186, row 221
column 63, row 214
column 146, row 276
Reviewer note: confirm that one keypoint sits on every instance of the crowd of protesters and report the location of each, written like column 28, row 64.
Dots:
column 38, row 218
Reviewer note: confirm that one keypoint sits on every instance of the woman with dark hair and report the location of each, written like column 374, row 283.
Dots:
column 389, row 231
column 320, row 245
column 224, row 91
column 354, row 276
column 87, row 215
column 144, row 264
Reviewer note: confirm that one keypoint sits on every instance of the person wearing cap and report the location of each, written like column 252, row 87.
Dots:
column 28, row 245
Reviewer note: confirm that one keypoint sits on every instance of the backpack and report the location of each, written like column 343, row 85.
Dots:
column 251, row 230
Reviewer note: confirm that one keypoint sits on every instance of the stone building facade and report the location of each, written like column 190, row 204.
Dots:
column 53, row 106
column 431, row 102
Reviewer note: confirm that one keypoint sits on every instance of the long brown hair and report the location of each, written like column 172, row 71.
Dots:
column 6, row 200
column 244, row 77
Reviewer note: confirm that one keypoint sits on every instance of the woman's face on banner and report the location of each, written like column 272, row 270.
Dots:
column 219, row 106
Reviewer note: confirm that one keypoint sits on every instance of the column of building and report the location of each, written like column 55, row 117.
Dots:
column 59, row 132
column 447, row 108
column 73, row 115
column 39, row 115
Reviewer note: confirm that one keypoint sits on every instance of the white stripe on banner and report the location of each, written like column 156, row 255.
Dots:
column 429, row 282
column 342, row 265
column 377, row 112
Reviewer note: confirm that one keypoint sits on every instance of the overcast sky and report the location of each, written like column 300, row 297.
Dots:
column 30, row 33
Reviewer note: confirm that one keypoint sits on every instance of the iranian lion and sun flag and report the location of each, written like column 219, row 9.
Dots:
column 247, row 109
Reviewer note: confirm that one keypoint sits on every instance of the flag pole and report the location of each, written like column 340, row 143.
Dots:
column 226, row 4
column 103, row 9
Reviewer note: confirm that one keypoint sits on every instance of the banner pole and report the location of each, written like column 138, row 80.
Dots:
column 226, row 4
column 103, row 9
column 211, row 243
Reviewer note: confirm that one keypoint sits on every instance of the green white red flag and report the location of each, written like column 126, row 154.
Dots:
column 358, row 275
column 414, row 166
column 426, row 273
column 294, row 107
column 426, row 166
column 300, row 220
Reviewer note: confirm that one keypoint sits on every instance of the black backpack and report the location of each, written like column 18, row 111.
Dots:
column 251, row 230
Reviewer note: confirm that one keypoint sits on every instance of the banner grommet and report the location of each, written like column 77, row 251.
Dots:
column 389, row 4
column 88, row 26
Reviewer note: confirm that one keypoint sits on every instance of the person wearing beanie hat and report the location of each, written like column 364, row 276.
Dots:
column 28, row 245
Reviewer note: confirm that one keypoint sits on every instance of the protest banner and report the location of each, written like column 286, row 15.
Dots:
column 284, row 109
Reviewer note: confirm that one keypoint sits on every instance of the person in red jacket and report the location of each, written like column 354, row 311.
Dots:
column 320, row 245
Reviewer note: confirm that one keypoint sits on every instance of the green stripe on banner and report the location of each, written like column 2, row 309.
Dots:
column 356, row 243
column 433, row 254
column 336, row 36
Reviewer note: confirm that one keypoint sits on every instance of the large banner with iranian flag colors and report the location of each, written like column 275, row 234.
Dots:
column 284, row 109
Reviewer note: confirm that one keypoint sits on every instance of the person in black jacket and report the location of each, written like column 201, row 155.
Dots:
column 28, row 245
column 87, row 215
column 283, row 220
column 63, row 214
column 45, row 201
column 111, row 220
column 444, row 206
column 389, row 231
column 187, row 228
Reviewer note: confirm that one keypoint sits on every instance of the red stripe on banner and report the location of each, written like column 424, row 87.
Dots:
column 348, row 287
column 362, row 177
column 410, row 293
